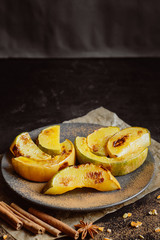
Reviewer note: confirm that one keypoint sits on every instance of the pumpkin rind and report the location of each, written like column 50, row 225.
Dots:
column 118, row 166
column 49, row 140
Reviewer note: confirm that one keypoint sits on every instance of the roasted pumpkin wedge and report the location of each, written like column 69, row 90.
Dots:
column 97, row 140
column 118, row 166
column 128, row 141
column 84, row 175
column 49, row 140
column 42, row 171
column 23, row 145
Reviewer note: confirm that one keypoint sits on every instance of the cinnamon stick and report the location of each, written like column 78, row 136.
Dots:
column 55, row 223
column 27, row 223
column 10, row 218
column 49, row 228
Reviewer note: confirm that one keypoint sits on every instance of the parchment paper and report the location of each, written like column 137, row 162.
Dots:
column 107, row 118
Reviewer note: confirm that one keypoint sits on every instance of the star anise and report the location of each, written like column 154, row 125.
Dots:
column 85, row 228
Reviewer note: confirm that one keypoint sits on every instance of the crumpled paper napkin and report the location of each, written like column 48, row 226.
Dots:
column 103, row 117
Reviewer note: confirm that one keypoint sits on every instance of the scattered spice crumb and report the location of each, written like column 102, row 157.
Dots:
column 126, row 215
column 109, row 230
column 141, row 236
column 136, row 224
column 5, row 236
column 158, row 197
column 157, row 229
column 153, row 212
column 101, row 229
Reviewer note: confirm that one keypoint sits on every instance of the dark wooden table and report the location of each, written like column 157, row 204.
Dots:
column 39, row 92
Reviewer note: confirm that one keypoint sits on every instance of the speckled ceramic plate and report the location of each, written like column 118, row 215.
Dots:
column 79, row 199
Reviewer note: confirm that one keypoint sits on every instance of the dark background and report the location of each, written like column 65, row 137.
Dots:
column 60, row 59
column 39, row 92
column 85, row 28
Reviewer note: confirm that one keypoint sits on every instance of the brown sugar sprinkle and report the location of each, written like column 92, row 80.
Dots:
column 120, row 141
column 95, row 148
column 136, row 224
column 153, row 212
column 97, row 176
column 157, row 229
column 126, row 215
column 139, row 132
column 65, row 181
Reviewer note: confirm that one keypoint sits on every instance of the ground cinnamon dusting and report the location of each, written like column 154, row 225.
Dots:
column 78, row 197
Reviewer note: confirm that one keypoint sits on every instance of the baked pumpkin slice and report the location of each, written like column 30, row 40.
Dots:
column 128, row 141
column 118, row 165
column 80, row 176
column 97, row 140
column 42, row 171
column 24, row 146
column 49, row 140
